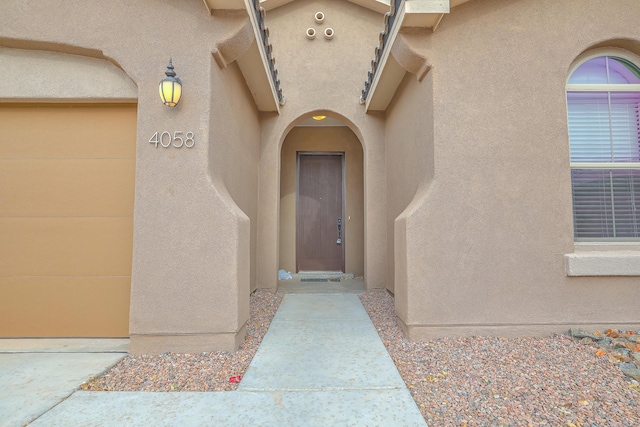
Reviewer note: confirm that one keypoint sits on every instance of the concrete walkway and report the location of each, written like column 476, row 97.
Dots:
column 320, row 364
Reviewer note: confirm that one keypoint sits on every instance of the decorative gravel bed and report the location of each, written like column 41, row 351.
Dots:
column 192, row 372
column 482, row 381
column 470, row 381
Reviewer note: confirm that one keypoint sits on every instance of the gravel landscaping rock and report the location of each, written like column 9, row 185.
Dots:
column 210, row 371
column 492, row 381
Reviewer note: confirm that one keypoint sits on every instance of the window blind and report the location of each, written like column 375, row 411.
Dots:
column 605, row 203
column 604, row 126
column 604, row 138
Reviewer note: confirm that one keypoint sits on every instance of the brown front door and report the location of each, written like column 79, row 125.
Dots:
column 319, row 243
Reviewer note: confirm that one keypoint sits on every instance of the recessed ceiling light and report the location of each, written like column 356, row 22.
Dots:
column 318, row 118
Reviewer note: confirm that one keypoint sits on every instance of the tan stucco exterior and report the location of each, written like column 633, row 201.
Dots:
column 465, row 207
column 192, row 242
column 480, row 247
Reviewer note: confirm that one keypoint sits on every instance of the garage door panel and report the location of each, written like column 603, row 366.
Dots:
column 68, row 132
column 66, row 246
column 67, row 187
column 65, row 306
column 67, row 177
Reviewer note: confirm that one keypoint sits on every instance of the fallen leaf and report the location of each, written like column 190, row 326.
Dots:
column 567, row 405
column 613, row 359
column 600, row 353
column 583, row 402
column 564, row 410
column 611, row 333
column 597, row 334
column 571, row 425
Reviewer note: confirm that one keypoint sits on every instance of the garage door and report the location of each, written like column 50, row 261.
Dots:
column 66, row 219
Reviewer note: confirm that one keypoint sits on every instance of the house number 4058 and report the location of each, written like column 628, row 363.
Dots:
column 177, row 139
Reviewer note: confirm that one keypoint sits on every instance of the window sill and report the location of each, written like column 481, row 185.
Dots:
column 603, row 263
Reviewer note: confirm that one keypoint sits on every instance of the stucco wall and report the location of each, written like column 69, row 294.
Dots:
column 323, row 77
column 40, row 76
column 329, row 71
column 323, row 138
column 409, row 155
column 485, row 242
column 235, row 147
column 191, row 255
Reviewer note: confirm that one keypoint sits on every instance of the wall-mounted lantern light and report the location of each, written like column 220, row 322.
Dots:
column 170, row 87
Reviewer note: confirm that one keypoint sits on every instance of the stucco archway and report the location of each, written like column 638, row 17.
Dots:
column 364, row 128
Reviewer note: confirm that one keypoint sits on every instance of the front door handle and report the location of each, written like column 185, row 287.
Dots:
column 339, row 240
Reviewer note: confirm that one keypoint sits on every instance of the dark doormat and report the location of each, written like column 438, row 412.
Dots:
column 319, row 280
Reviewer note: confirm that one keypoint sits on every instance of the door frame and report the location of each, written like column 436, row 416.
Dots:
column 344, row 194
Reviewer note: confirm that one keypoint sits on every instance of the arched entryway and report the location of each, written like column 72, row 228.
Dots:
column 321, row 199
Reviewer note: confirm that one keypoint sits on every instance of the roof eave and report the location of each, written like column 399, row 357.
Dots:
column 388, row 72
column 256, row 64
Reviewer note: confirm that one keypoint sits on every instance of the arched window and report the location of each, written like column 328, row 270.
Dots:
column 603, row 99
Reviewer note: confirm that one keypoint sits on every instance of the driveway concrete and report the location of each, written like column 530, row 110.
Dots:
column 36, row 375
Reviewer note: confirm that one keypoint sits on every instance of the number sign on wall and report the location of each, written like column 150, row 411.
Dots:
column 179, row 139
